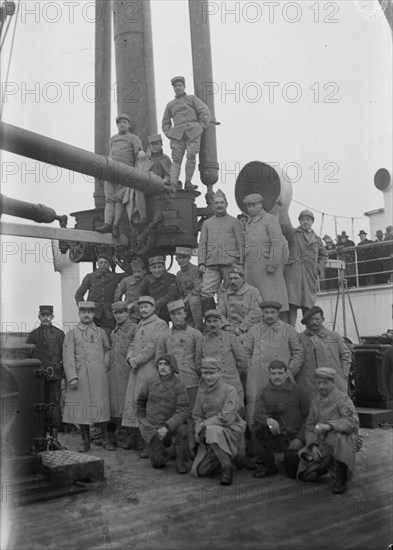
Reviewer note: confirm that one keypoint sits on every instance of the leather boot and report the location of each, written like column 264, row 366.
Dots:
column 141, row 446
column 130, row 441
column 181, row 456
column 262, row 471
column 226, row 475
column 340, row 472
column 85, row 431
column 55, row 444
column 105, row 228
column 106, row 444
column 115, row 231
column 242, row 461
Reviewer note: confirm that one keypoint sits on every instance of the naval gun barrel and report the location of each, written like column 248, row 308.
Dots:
column 35, row 146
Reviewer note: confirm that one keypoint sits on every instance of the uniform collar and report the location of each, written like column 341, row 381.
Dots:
column 124, row 327
column 275, row 326
column 184, row 327
column 287, row 386
column 322, row 332
column 243, row 290
column 100, row 274
column 84, row 327
column 257, row 217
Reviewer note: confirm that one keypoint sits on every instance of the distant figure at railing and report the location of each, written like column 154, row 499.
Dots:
column 365, row 255
column 331, row 275
column 349, row 257
column 388, row 252
column 380, row 278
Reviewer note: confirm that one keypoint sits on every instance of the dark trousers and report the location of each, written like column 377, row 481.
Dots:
column 158, row 449
column 266, row 444
column 52, row 398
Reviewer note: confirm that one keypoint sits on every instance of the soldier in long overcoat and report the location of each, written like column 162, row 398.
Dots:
column 86, row 355
column 269, row 340
column 307, row 260
column 119, row 371
column 266, row 252
column 141, row 359
column 218, row 424
column 330, row 431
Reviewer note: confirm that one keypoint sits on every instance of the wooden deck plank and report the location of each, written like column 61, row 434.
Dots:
column 142, row 508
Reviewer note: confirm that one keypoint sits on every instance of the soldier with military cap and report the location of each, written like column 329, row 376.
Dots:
column 307, row 260
column 330, row 431
column 221, row 244
column 121, row 337
column 141, row 360
column 101, row 286
column 86, row 356
column 48, row 341
column 218, row 424
column 189, row 279
column 322, row 348
column 131, row 288
column 269, row 340
column 266, row 252
column 190, row 116
column 163, row 412
column 125, row 148
column 239, row 304
column 161, row 285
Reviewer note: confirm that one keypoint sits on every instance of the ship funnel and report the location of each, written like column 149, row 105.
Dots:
column 383, row 182
column 272, row 183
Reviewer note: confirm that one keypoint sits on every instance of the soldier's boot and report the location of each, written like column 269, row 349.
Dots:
column 85, row 432
column 118, row 214
column 189, row 170
column 191, row 443
column 96, row 435
column 130, row 441
column 55, row 444
column 181, row 455
column 340, row 472
column 208, row 303
column 242, row 460
column 106, row 444
column 141, row 446
column 111, row 427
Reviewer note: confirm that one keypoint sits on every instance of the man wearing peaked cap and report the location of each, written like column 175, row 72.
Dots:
column 185, row 119
column 238, row 304
column 212, row 313
column 161, row 285
column 322, row 348
column 157, row 161
column 177, row 304
column 163, row 410
column 125, row 148
column 189, row 280
column 367, row 265
column 266, row 252
column 48, row 341
column 101, row 286
column 330, row 429
column 141, row 360
column 130, row 287
column 221, row 244
column 218, row 425
column 88, row 305
column 121, row 337
column 274, row 305
column 307, row 260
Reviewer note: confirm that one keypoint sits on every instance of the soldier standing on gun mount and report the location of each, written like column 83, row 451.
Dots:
column 191, row 116
column 48, row 341
column 125, row 148
column 221, row 244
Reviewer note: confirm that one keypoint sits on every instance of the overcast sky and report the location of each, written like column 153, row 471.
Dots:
column 311, row 90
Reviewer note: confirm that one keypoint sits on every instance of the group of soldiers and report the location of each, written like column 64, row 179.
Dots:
column 203, row 366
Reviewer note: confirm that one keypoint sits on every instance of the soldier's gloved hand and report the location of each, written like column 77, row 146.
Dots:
column 162, row 432
column 73, row 384
column 273, row 425
column 271, row 269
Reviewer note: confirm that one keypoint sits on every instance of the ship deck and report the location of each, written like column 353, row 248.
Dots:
column 138, row 507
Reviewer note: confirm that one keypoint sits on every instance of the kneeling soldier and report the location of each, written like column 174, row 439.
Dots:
column 163, row 410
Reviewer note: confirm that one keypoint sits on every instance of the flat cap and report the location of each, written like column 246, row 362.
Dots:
column 362, row 232
column 176, row 78
column 86, row 305
column 46, row 309
column 325, row 372
column 274, row 305
column 212, row 313
column 182, row 250
column 343, row 234
column 235, row 268
column 310, row 312
column 253, row 198
column 156, row 260
column 104, row 257
column 177, row 304
column 210, row 364
column 122, row 115
column 306, row 212
column 147, row 300
column 119, row 306
column 154, row 138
